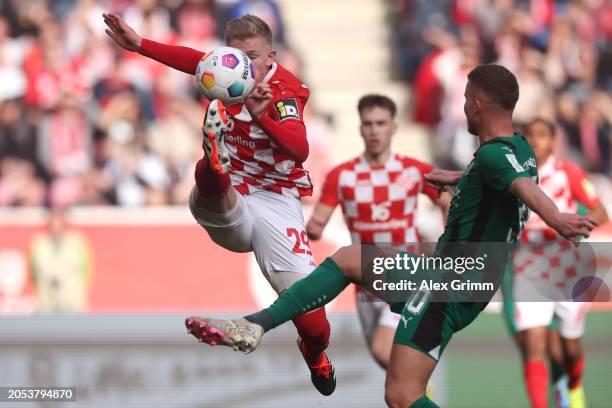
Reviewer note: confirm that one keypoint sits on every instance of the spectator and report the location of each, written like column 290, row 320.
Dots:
column 560, row 56
column 61, row 267
column 64, row 148
column 19, row 167
column 267, row 10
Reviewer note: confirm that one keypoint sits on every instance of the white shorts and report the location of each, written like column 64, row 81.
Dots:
column 269, row 224
column 372, row 314
column 528, row 315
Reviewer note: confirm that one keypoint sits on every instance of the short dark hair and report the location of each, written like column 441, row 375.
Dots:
column 247, row 26
column 375, row 100
column 551, row 126
column 497, row 82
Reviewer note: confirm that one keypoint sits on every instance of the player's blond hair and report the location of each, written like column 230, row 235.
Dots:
column 247, row 26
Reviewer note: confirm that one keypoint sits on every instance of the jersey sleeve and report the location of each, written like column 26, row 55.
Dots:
column 283, row 120
column 329, row 192
column 499, row 166
column 581, row 187
column 181, row 58
column 428, row 189
column 288, row 104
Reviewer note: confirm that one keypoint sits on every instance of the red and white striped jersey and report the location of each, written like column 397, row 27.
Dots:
column 567, row 185
column 257, row 162
column 379, row 203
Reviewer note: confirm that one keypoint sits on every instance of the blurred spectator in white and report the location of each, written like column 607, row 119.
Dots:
column 536, row 96
column 61, row 267
column 138, row 177
column 12, row 51
column 175, row 135
column 65, row 149
column 450, row 69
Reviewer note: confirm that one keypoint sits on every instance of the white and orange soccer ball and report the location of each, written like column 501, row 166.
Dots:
column 227, row 74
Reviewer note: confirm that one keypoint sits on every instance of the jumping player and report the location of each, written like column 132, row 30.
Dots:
column 569, row 188
column 250, row 180
column 490, row 204
column 378, row 193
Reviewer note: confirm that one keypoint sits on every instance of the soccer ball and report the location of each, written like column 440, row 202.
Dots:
column 226, row 74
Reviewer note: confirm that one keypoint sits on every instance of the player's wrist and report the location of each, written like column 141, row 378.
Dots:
column 553, row 219
column 258, row 115
column 142, row 45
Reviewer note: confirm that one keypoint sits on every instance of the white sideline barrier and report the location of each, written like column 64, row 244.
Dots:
column 149, row 361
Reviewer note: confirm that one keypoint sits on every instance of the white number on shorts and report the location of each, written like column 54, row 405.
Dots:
column 417, row 301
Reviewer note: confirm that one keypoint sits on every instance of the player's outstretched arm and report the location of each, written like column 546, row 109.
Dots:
column 289, row 135
column 318, row 220
column 121, row 33
column 181, row 58
column 443, row 178
column 570, row 226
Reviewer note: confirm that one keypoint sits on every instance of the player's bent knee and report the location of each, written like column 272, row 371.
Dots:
column 281, row 281
column 348, row 258
column 399, row 395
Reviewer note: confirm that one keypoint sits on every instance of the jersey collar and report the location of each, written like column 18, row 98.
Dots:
column 365, row 162
column 548, row 167
column 270, row 73
column 497, row 140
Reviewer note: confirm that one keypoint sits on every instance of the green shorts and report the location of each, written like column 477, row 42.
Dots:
column 428, row 326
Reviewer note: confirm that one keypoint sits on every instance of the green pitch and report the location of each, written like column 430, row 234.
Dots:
column 483, row 366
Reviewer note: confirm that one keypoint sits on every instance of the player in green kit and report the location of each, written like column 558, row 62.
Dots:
column 490, row 204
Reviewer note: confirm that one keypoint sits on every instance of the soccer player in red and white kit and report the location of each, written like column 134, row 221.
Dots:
column 378, row 193
column 250, row 180
column 568, row 186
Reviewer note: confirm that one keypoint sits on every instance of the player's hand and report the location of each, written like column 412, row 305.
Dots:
column 258, row 100
column 123, row 34
column 573, row 226
column 441, row 179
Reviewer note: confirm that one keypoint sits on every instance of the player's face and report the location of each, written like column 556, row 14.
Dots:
column 377, row 128
column 259, row 51
column 470, row 107
column 542, row 141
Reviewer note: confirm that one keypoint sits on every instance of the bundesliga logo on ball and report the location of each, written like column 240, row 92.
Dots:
column 226, row 74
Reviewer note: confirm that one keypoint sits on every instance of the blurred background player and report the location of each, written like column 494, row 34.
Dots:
column 569, row 188
column 263, row 184
column 378, row 192
column 61, row 266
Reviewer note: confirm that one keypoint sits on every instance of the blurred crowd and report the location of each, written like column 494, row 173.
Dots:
column 83, row 122
column 560, row 51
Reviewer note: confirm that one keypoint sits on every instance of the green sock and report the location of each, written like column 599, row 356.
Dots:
column 317, row 289
column 424, row 402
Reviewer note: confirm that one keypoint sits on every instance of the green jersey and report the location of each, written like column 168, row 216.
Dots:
column 482, row 209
